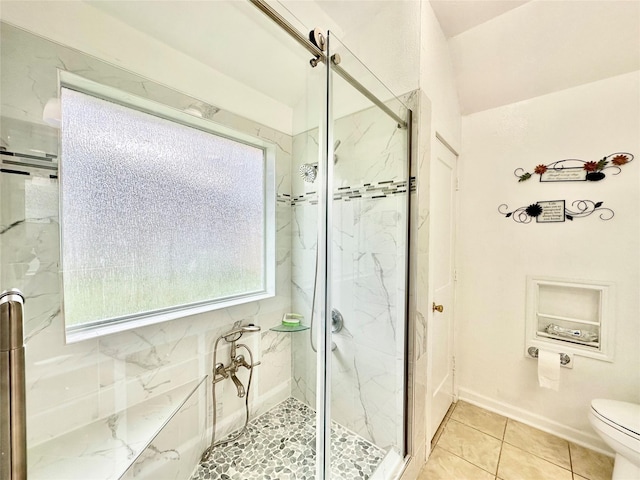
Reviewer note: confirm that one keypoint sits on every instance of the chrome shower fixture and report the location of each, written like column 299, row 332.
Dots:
column 222, row 372
column 309, row 171
column 317, row 38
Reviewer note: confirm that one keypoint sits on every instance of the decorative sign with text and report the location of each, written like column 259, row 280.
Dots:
column 555, row 211
column 552, row 211
column 567, row 174
column 574, row 170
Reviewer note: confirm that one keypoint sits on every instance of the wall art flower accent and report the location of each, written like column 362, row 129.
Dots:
column 574, row 170
column 554, row 211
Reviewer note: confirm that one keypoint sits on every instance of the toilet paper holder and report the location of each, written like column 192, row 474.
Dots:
column 564, row 358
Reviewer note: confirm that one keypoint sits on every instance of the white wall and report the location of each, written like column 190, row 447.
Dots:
column 542, row 47
column 388, row 42
column 437, row 77
column 83, row 27
column 496, row 253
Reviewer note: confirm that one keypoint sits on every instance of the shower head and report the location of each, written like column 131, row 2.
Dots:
column 308, row 172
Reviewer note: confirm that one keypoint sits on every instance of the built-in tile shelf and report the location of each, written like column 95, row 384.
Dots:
column 106, row 448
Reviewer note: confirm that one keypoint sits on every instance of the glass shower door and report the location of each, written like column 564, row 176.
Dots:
column 367, row 252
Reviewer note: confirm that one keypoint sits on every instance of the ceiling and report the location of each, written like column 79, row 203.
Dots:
column 509, row 51
column 457, row 16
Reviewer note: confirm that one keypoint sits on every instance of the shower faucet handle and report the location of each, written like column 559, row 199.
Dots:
column 219, row 373
column 241, row 362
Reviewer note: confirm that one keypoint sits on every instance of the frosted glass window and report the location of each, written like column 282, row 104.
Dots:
column 156, row 216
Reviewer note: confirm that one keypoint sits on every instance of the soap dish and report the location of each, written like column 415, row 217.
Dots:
column 291, row 322
column 289, row 328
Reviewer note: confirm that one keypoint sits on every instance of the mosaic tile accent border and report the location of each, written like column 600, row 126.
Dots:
column 24, row 164
column 280, row 445
column 381, row 189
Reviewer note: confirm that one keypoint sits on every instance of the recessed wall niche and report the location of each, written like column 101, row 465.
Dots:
column 570, row 316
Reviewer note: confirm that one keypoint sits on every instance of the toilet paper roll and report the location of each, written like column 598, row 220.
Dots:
column 549, row 369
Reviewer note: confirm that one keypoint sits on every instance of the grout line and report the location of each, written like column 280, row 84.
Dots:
column 500, row 455
column 468, row 461
column 502, row 443
column 542, row 458
column 570, row 459
column 482, row 431
column 504, row 434
column 552, row 462
column 477, row 429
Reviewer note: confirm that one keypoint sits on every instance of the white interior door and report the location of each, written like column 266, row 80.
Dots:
column 442, row 278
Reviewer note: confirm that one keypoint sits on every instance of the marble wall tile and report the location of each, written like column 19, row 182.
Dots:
column 113, row 443
column 177, row 448
column 365, row 396
column 368, row 271
column 372, row 148
column 129, row 367
column 74, row 385
column 275, row 368
column 304, row 369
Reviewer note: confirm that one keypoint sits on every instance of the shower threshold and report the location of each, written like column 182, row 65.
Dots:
column 279, row 445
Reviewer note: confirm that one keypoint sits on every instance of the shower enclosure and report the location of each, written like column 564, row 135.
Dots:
column 133, row 398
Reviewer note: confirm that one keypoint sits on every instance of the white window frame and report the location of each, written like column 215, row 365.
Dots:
column 75, row 333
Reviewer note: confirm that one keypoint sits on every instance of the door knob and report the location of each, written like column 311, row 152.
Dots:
column 437, row 308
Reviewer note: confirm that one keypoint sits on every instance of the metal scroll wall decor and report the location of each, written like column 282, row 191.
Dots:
column 554, row 211
column 574, row 170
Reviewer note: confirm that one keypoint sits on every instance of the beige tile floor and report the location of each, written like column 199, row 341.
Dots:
column 475, row 444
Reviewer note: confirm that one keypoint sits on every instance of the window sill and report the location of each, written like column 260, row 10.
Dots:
column 89, row 331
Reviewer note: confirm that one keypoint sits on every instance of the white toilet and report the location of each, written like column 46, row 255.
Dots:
column 618, row 423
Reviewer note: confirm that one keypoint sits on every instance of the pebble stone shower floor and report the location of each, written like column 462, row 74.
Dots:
column 280, row 445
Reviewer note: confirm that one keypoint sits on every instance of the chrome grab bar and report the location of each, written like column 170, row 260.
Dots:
column 13, row 418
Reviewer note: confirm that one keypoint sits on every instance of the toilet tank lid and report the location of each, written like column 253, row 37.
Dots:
column 625, row 414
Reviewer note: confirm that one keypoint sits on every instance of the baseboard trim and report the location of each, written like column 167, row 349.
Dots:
column 584, row 439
